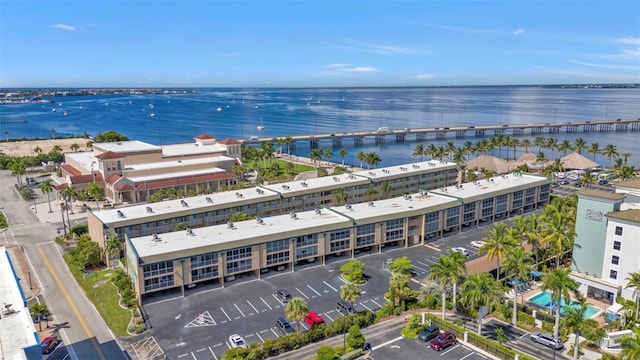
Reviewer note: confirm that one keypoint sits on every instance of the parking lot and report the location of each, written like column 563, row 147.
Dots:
column 410, row 349
column 198, row 325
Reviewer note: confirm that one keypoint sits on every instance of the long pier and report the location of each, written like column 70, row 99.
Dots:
column 383, row 134
column 14, row 121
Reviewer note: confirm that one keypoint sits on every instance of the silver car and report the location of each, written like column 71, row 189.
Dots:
column 547, row 340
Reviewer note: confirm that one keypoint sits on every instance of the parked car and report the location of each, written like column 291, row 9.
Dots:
column 430, row 332
column 313, row 318
column 547, row 340
column 49, row 344
column 443, row 341
column 477, row 244
column 464, row 251
column 236, row 340
column 283, row 295
column 564, row 182
column 284, row 326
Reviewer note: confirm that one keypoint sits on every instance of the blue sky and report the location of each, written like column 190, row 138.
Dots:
column 317, row 43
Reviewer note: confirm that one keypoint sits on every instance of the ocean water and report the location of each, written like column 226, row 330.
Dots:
column 236, row 113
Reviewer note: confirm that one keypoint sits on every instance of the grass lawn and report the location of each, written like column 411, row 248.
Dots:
column 297, row 168
column 97, row 285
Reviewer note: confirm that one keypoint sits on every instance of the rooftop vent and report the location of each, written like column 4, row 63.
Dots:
column 318, row 211
column 230, row 225
column 239, row 195
column 372, row 173
column 415, row 166
column 155, row 237
column 260, row 191
column 120, row 214
column 403, row 168
column 293, row 215
column 335, row 178
column 407, row 197
column 347, row 206
column 304, row 184
column 189, row 231
column 260, row 221
column 208, row 199
column 371, row 203
column 286, row 187
column 149, row 209
column 184, row 203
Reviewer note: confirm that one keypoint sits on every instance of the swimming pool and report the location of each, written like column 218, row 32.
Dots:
column 544, row 299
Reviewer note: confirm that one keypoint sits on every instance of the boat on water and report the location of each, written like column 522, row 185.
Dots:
column 218, row 109
column 53, row 110
column 261, row 126
column 66, row 113
column 153, row 114
column 81, row 107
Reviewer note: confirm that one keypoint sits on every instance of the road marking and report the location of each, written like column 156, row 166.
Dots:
column 468, row 355
column 366, row 307
column 241, row 313
column 254, row 308
column 329, row 317
column 278, row 300
column 203, row 349
column 266, row 303
column 274, row 333
column 314, row 290
column 387, row 343
column 343, row 280
column 523, row 335
column 225, row 313
column 329, row 285
column 261, row 339
column 427, row 260
column 373, row 301
column 212, row 353
column 482, row 356
column 302, row 294
column 450, row 349
column 71, row 303
column 422, row 269
column 181, row 344
column 182, row 355
column 417, row 282
column 432, row 247
column 194, row 355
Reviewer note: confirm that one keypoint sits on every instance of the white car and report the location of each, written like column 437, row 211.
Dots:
column 461, row 250
column 237, row 341
column 477, row 244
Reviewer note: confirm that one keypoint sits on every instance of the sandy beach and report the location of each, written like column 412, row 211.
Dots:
column 25, row 148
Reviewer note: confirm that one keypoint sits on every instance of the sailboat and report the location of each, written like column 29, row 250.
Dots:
column 260, row 127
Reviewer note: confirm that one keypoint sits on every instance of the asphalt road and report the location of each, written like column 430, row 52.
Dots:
column 83, row 331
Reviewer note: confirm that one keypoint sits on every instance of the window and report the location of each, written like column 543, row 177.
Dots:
column 613, row 274
column 615, row 260
column 616, row 245
column 619, row 230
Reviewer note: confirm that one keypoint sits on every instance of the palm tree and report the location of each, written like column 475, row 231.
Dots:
column 480, row 290
column 74, row 147
column 432, row 150
column 514, row 143
column 53, row 133
column 340, row 196
column 69, row 194
column 540, row 142
column 371, row 193
column 289, row 141
column 372, row 159
column 517, row 264
column 328, row 154
column 467, row 147
column 96, row 192
column 498, row 243
column 113, row 246
column 557, row 229
column 451, row 146
column 564, row 147
column 579, row 145
column 443, row 271
column 587, row 178
column 342, row 154
column 533, row 236
column 350, row 293
column 459, row 268
column 46, row 186
column 633, row 281
column 399, row 287
column 631, row 345
column 626, row 156
column 6, row 134
column 552, row 144
column 296, row 310
column 418, row 151
column 576, row 323
column 559, row 283
column 89, row 145
column 526, row 143
column 555, row 167
column 316, row 156
column 541, row 159
column 17, row 169
column 39, row 310
column 385, row 189
column 594, row 150
column 37, row 150
column 361, row 156
column 610, row 151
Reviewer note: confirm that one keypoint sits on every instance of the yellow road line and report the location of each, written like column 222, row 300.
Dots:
column 432, row 247
column 417, row 282
column 73, row 305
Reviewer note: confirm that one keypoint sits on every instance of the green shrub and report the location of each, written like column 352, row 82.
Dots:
column 526, row 318
column 80, row 229
column 326, row 352
column 3, row 221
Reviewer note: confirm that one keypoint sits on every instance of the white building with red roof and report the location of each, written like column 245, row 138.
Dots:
column 130, row 171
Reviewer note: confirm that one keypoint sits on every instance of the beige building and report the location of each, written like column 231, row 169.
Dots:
column 219, row 253
column 130, row 171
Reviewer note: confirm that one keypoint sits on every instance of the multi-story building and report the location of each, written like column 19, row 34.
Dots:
column 218, row 253
column 130, row 171
column 606, row 248
column 269, row 200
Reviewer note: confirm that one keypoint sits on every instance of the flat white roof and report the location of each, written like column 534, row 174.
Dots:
column 293, row 188
column 17, row 330
column 131, row 146
column 85, row 159
column 173, row 173
column 191, row 149
column 212, row 238
column 392, row 172
column 398, row 207
column 196, row 204
column 497, row 185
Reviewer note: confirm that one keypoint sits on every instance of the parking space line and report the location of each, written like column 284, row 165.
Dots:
column 303, row 294
column 366, row 307
column 423, row 264
column 329, row 285
column 373, row 301
column 194, row 355
column 254, row 308
column 387, row 343
column 432, row 247
column 266, row 303
column 421, row 269
column 274, row 333
column 261, row 339
column 428, row 260
column 303, row 325
column 343, row 280
column 523, row 335
column 212, row 353
column 241, row 313
column 329, row 317
column 468, row 355
column 182, row 355
column 225, row 313
column 450, row 349
column 314, row 290
column 278, row 300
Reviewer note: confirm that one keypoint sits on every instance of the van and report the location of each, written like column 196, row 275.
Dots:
column 284, row 326
column 383, row 129
column 344, row 307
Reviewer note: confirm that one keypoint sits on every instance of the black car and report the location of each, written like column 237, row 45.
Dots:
column 430, row 332
column 283, row 295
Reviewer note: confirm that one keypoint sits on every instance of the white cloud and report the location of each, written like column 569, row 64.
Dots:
column 64, row 27
column 341, row 68
column 518, row 32
column 628, row 41
column 605, row 66
column 424, row 76
column 337, row 66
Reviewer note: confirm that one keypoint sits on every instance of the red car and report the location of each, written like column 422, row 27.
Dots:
column 443, row 341
column 313, row 318
column 49, row 343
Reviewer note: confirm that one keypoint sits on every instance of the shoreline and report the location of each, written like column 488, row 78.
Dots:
column 26, row 147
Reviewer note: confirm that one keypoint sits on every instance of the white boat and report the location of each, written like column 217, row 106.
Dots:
column 260, row 127
column 153, row 114
column 81, row 107
column 218, row 109
column 53, row 110
column 65, row 113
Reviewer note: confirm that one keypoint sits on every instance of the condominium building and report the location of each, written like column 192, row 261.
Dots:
column 269, row 200
column 131, row 171
column 219, row 253
column 606, row 248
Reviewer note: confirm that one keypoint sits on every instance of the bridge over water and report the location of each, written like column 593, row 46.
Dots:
column 384, row 134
